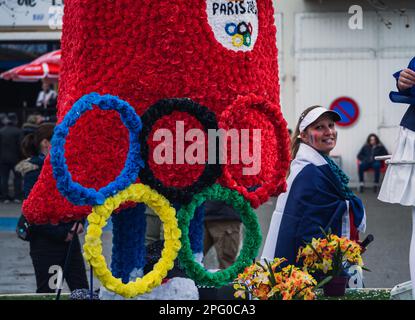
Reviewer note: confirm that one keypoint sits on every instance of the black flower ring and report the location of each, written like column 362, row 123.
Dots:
column 211, row 172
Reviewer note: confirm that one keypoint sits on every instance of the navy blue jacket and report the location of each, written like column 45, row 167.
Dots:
column 314, row 200
column 43, row 234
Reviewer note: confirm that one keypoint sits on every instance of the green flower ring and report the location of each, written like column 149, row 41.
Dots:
column 251, row 243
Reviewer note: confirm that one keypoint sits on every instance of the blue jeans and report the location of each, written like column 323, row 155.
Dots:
column 364, row 166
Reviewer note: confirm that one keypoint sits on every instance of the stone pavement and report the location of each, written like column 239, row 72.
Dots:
column 387, row 256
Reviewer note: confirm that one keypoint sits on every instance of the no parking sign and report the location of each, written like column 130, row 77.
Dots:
column 348, row 110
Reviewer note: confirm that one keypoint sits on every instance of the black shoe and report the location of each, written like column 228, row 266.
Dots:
column 361, row 189
column 375, row 189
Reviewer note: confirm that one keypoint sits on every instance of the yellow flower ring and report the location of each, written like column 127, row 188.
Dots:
column 237, row 40
column 93, row 245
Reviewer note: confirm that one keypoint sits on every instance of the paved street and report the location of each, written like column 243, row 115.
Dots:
column 387, row 256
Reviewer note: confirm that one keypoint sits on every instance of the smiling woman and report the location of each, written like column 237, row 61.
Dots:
column 317, row 195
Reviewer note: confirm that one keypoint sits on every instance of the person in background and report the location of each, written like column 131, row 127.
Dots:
column 49, row 243
column 3, row 118
column 10, row 138
column 399, row 183
column 222, row 231
column 31, row 124
column 47, row 98
column 2, row 122
column 371, row 149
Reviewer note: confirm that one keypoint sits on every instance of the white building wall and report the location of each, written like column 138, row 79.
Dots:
column 289, row 9
column 324, row 59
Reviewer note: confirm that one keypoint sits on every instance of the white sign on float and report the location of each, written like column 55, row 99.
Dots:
column 31, row 13
column 234, row 23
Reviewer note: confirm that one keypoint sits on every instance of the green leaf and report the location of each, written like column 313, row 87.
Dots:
column 324, row 232
column 271, row 274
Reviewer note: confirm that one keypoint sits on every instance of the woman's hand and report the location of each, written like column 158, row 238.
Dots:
column 406, row 79
column 79, row 230
column 69, row 236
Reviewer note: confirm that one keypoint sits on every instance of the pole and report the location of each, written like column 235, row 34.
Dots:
column 91, row 280
column 412, row 255
column 68, row 257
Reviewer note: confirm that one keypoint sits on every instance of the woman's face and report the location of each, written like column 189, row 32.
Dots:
column 321, row 135
column 45, row 146
column 372, row 140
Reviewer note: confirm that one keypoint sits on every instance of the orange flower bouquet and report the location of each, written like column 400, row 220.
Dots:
column 331, row 256
column 269, row 281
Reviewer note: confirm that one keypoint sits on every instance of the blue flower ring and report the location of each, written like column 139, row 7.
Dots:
column 75, row 192
column 228, row 28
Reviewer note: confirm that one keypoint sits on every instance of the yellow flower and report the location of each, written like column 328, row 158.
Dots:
column 240, row 294
column 326, row 265
column 94, row 231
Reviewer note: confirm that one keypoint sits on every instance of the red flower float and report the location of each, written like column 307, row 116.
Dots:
column 210, row 51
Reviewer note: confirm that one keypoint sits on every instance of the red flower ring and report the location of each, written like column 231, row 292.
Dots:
column 267, row 174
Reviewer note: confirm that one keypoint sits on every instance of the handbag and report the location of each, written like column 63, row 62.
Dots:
column 23, row 228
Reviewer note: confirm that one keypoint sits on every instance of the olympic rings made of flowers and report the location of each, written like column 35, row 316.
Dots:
column 75, row 192
column 274, row 185
column 211, row 172
column 229, row 30
column 251, row 243
column 247, row 39
column 242, row 28
column 250, row 29
column 238, row 40
column 93, row 245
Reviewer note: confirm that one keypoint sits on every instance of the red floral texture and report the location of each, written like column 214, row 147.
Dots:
column 172, row 175
column 143, row 51
column 253, row 112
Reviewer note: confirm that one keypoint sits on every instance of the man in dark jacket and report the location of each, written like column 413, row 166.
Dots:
column 10, row 138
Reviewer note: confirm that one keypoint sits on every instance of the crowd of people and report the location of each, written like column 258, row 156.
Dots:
column 11, row 154
column 12, row 136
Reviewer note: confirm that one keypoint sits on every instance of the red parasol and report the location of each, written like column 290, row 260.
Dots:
column 44, row 67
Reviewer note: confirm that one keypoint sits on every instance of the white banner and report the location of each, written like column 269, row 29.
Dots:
column 31, row 13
